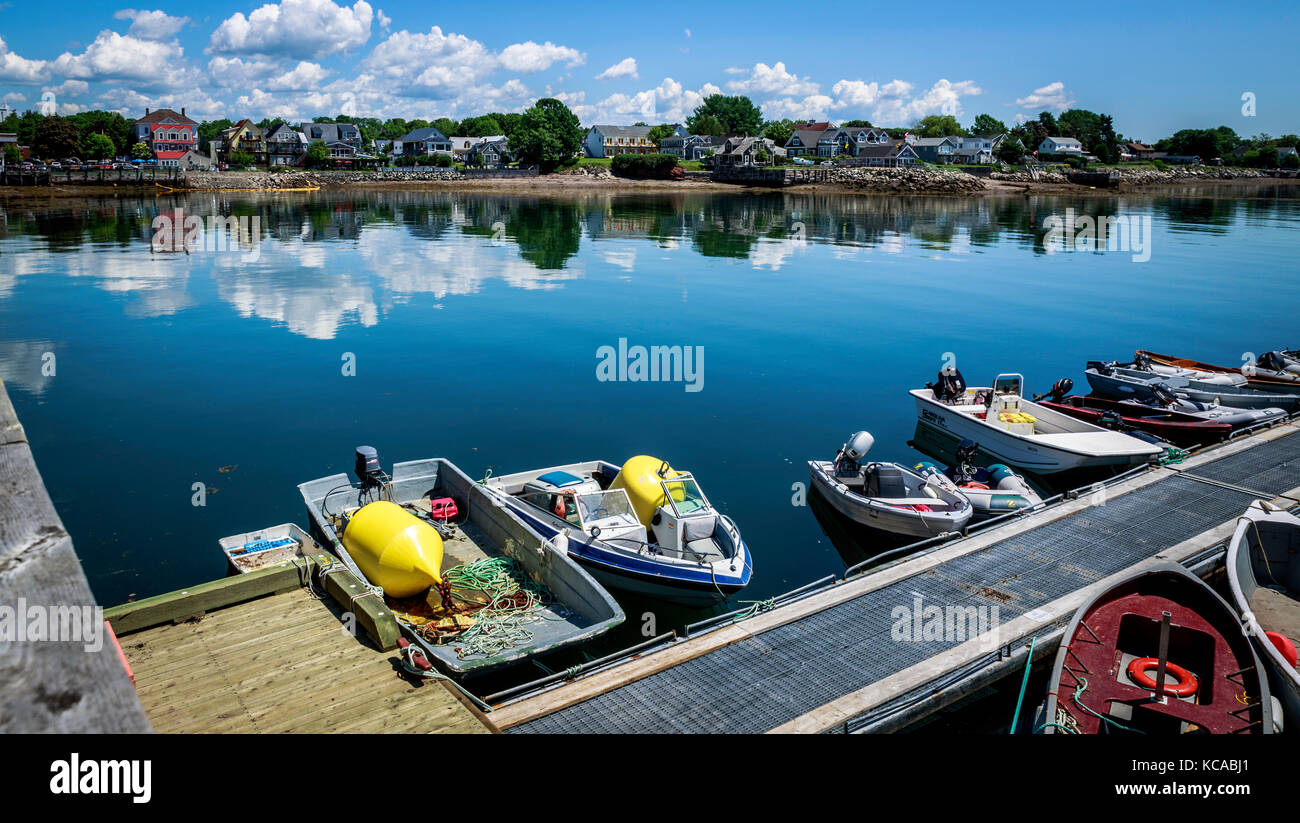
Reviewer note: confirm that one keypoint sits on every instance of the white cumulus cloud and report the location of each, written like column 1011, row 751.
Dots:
column 17, row 69
column 1051, row 96
column 775, row 79
column 531, row 57
column 151, row 25
column 294, row 28
column 623, row 68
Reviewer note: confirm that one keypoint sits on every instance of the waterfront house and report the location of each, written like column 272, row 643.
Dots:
column 848, row 142
column 803, row 142
column 1140, row 151
column 1283, row 152
column 939, row 150
column 747, row 151
column 690, row 146
column 1061, row 145
column 978, row 149
column 168, row 134
column 489, row 154
column 244, row 136
column 607, row 141
column 193, row 161
column 425, row 142
column 333, row 134
column 462, row 147
column 285, row 145
column 894, row 152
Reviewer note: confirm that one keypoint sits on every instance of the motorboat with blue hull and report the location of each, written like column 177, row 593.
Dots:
column 1021, row 433
column 1264, row 577
column 1155, row 392
column 641, row 527
column 461, row 526
column 1123, row 381
column 886, row 496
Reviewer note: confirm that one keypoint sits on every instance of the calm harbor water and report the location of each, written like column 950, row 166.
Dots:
column 474, row 323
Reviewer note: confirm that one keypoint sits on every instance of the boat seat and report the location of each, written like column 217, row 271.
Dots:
column 706, row 547
column 886, row 481
column 699, row 528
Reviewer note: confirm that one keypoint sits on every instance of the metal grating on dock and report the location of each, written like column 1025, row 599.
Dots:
column 765, row 680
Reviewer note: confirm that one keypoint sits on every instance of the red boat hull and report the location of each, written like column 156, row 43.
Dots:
column 1103, row 683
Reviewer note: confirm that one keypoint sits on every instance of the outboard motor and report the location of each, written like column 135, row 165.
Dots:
column 1142, row 362
column 949, row 386
column 1164, row 396
column 964, row 470
column 1059, row 390
column 1100, row 367
column 851, row 453
column 1112, row 420
column 367, row 467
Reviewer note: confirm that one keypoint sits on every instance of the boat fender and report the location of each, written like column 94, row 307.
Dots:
column 975, row 486
column 999, row 472
column 1184, row 684
column 1284, row 645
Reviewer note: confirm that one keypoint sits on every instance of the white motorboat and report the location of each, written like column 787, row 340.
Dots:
column 887, row 496
column 642, row 527
column 1021, row 432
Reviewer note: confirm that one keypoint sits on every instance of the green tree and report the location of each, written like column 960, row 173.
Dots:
column 548, row 134
column 445, row 125
column 58, row 137
column 98, row 146
column 706, row 125
column 244, row 159
column 659, row 132
column 141, row 151
column 209, row 130
column 778, row 131
column 736, row 113
column 318, row 154
column 1011, row 150
column 987, row 124
column 857, row 124
column 484, row 126
column 938, row 125
column 13, row 154
column 1205, row 143
column 1291, row 162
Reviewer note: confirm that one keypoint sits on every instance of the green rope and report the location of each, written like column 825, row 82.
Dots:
column 513, row 600
column 1024, row 681
column 1083, row 686
column 755, row 606
column 1172, row 456
column 1058, row 726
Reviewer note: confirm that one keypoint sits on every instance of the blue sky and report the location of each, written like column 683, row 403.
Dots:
column 1176, row 65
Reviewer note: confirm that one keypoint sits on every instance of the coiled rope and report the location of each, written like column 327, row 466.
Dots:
column 513, row 601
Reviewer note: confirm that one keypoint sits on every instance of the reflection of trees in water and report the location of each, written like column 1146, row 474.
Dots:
column 548, row 230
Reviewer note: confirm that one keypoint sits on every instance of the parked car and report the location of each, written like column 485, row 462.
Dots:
column 827, row 163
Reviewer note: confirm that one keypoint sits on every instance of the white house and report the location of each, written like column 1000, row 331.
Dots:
column 1060, row 145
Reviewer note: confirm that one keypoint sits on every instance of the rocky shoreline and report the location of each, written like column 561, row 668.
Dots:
column 923, row 180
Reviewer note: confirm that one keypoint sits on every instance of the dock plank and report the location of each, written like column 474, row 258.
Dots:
column 282, row 664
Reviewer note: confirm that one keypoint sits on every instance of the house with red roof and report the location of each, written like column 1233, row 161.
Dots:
column 168, row 134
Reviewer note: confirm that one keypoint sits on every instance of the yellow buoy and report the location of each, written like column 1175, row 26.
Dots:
column 640, row 478
column 394, row 549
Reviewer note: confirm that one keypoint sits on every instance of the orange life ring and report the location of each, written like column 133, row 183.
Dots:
column 1185, row 686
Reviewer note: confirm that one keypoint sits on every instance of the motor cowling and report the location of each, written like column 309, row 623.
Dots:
column 1060, row 389
column 949, row 385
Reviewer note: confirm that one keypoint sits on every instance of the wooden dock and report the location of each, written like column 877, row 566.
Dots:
column 283, row 663
column 826, row 660
column 49, row 686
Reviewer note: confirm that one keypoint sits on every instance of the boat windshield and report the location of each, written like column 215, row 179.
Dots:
column 604, row 505
column 685, row 495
